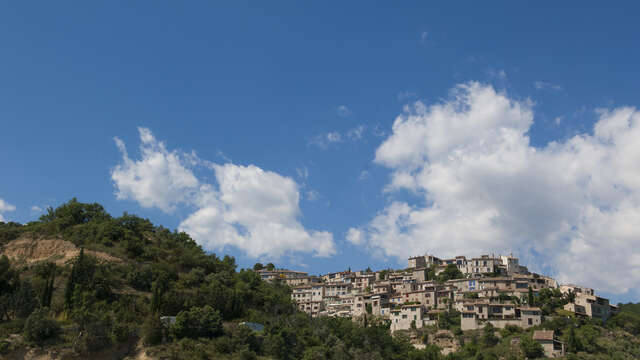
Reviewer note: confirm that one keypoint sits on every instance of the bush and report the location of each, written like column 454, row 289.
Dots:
column 94, row 334
column 531, row 348
column 152, row 330
column 198, row 322
column 40, row 327
column 244, row 354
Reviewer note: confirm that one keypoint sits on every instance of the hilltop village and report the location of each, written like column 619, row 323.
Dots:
column 486, row 289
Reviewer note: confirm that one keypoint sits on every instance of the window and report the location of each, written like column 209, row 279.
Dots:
column 530, row 321
column 404, row 316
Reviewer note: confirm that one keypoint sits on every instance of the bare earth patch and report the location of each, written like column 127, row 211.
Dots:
column 32, row 250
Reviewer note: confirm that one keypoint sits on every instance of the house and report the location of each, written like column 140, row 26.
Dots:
column 281, row 274
column 552, row 346
column 587, row 303
column 378, row 303
column 481, row 265
column 360, row 303
column 417, row 262
column 406, row 316
column 591, row 306
column 476, row 313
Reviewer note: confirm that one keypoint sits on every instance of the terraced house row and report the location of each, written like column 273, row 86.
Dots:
column 484, row 289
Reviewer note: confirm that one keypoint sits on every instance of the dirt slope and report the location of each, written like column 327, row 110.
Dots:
column 59, row 251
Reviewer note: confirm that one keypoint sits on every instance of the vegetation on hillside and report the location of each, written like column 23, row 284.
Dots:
column 91, row 305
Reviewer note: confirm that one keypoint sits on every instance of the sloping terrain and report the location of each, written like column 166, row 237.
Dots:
column 32, row 250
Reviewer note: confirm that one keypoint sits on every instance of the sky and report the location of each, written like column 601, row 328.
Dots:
column 332, row 135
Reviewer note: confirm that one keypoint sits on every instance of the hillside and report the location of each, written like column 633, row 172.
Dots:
column 34, row 249
column 81, row 283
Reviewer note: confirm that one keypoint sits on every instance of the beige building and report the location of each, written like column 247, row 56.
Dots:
column 404, row 316
column 417, row 262
column 591, row 306
column 475, row 315
column 553, row 348
column 281, row 274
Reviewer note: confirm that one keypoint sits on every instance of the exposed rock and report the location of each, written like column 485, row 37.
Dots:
column 32, row 250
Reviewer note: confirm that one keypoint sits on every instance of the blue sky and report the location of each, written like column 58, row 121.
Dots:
column 255, row 102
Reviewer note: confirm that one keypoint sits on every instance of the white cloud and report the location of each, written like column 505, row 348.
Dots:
column 356, row 133
column 159, row 179
column 5, row 207
column 334, row 137
column 541, row 85
column 355, row 236
column 36, row 209
column 252, row 209
column 424, row 35
column 498, row 74
column 343, row 111
column 484, row 189
column 313, row 195
column 558, row 119
column 364, row 175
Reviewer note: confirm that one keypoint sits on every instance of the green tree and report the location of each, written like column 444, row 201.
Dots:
column 24, row 300
column 530, row 299
column 152, row 330
column 40, row 327
column 450, row 272
column 198, row 322
column 489, row 338
column 573, row 343
column 531, row 348
column 47, row 273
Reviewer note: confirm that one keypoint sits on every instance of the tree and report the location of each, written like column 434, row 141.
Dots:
column 198, row 322
column 270, row 267
column 24, row 300
column 531, row 348
column 530, row 299
column 47, row 272
column 40, row 327
column 152, row 330
column 573, row 344
column 258, row 267
column 450, row 272
column 489, row 337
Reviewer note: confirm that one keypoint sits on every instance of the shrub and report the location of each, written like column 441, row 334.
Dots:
column 531, row 348
column 39, row 326
column 198, row 322
column 244, row 354
column 152, row 330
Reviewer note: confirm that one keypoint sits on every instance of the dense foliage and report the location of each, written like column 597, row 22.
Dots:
column 186, row 304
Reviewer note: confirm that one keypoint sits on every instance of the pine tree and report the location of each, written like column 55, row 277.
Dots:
column 573, row 344
column 531, row 299
column 74, row 279
column 50, row 278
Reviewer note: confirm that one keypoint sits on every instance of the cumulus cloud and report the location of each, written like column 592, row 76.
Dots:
column 481, row 187
column 5, row 207
column 159, row 179
column 355, row 236
column 252, row 209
